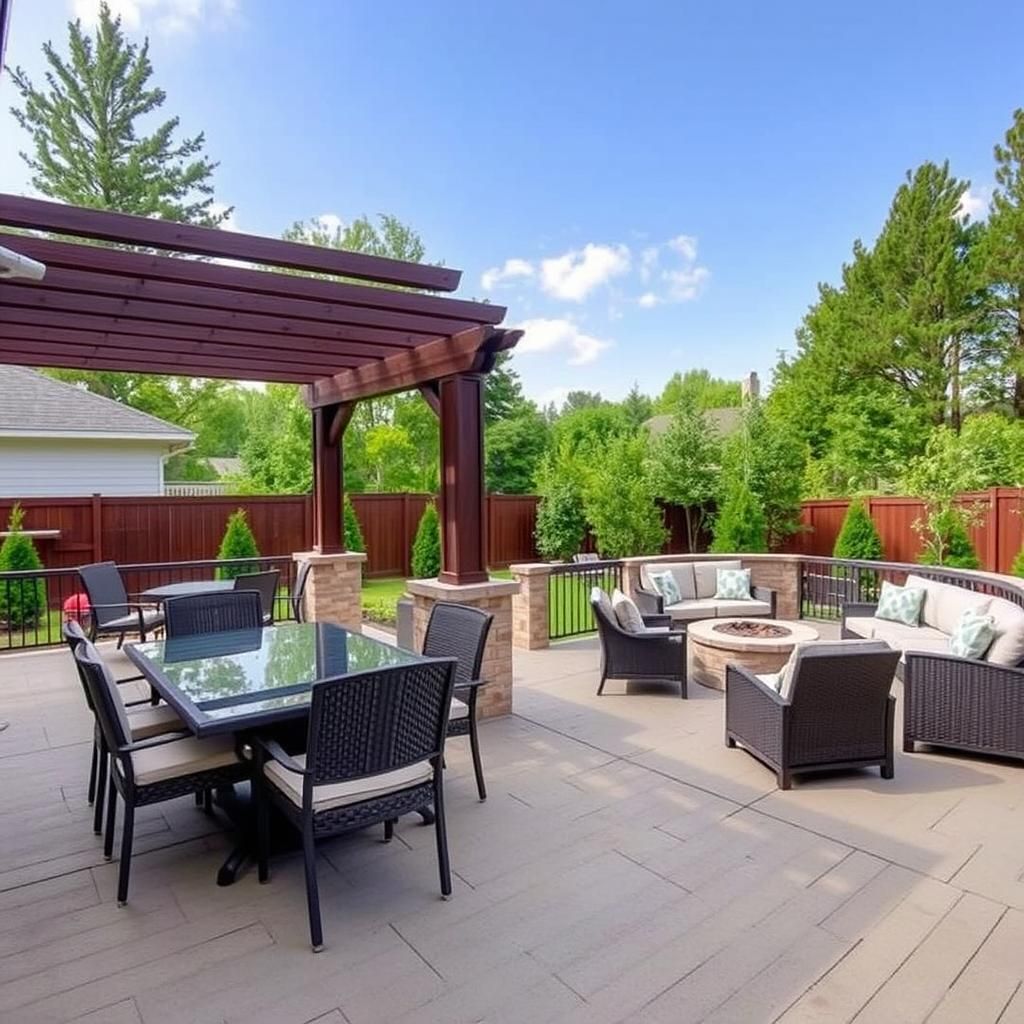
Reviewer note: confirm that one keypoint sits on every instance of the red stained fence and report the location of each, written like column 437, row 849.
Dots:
column 180, row 529
column 997, row 533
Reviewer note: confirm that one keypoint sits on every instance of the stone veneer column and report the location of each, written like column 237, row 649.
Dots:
column 530, row 621
column 495, row 597
column 782, row 574
column 334, row 587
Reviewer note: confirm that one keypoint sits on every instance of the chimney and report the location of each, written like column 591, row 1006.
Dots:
column 750, row 386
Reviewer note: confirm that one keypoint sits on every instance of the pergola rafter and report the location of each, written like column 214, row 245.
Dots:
column 376, row 332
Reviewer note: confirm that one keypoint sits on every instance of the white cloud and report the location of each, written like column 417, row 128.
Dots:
column 974, row 203
column 549, row 335
column 685, row 245
column 330, row 222
column 683, row 282
column 553, row 396
column 574, row 275
column 686, row 284
column 648, row 261
column 648, row 300
column 511, row 268
column 167, row 17
column 232, row 223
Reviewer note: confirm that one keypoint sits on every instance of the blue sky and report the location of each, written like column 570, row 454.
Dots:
column 648, row 187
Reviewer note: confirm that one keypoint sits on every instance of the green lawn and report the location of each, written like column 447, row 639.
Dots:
column 380, row 596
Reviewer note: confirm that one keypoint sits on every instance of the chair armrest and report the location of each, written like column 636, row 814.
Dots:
column 156, row 741
column 859, row 608
column 279, row 754
column 657, row 621
column 648, row 602
column 755, row 714
column 737, row 675
column 767, row 595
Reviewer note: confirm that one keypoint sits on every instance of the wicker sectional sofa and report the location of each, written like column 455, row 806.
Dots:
column 967, row 704
column 697, row 582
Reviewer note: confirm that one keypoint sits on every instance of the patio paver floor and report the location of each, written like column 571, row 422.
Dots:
column 627, row 867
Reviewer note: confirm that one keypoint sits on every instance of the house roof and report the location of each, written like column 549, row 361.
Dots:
column 33, row 405
column 725, row 421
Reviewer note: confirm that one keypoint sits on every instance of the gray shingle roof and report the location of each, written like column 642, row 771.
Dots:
column 725, row 421
column 32, row 404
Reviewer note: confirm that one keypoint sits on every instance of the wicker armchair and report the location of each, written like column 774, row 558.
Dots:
column 221, row 612
column 297, row 599
column 459, row 631
column 838, row 712
column 110, row 611
column 374, row 751
column 265, row 584
column 656, row 654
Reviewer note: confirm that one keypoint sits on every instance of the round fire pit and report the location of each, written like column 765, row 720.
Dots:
column 761, row 645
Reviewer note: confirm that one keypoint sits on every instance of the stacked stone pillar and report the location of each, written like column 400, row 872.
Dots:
column 334, row 587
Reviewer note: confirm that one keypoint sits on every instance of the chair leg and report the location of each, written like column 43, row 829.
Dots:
column 785, row 779
column 93, row 768
column 316, row 931
column 120, row 641
column 474, row 747
column 389, row 830
column 208, row 801
column 604, row 678
column 441, row 832
column 108, row 837
column 101, row 787
column 262, row 828
column 127, row 834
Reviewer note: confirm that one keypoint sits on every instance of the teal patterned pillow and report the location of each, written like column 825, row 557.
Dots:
column 733, row 584
column 973, row 635
column 665, row 584
column 900, row 604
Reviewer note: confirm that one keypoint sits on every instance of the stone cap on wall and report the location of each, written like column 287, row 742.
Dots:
column 533, row 568
column 438, row 591
column 716, row 556
column 318, row 558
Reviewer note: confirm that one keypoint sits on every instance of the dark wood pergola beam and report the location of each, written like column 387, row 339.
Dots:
column 470, row 351
column 153, row 267
column 126, row 229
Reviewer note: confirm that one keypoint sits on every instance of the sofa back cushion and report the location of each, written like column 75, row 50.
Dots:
column 682, row 573
column 705, row 575
column 1008, row 646
column 945, row 603
column 815, row 649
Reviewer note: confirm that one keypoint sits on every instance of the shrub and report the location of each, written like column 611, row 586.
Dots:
column 23, row 601
column 238, row 542
column 946, row 542
column 426, row 548
column 858, row 539
column 740, row 524
column 353, row 531
column 561, row 525
column 1018, row 564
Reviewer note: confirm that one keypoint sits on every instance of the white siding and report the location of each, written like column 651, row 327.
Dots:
column 52, row 467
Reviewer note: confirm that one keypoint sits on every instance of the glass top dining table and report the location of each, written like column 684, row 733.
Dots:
column 246, row 679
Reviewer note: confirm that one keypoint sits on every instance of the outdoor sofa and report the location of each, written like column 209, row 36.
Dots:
column 698, row 582
column 949, row 701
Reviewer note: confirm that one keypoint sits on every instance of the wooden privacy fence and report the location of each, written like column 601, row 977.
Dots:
column 997, row 532
column 76, row 531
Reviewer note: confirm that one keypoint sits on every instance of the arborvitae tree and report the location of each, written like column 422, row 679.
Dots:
column 426, row 547
column 238, row 542
column 22, row 601
column 353, row 531
column 740, row 524
column 1018, row 563
column 858, row 539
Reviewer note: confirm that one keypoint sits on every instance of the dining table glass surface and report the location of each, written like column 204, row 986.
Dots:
column 253, row 671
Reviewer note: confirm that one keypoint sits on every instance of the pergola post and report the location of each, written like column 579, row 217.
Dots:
column 334, row 585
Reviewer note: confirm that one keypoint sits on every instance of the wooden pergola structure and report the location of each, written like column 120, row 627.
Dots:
column 154, row 307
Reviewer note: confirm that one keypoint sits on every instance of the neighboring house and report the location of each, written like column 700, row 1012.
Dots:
column 724, row 421
column 227, row 468
column 59, row 439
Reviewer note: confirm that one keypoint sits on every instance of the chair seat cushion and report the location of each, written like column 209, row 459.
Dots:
column 340, row 794
column 460, row 709
column 153, row 721
column 711, row 608
column 182, row 757
column 725, row 609
column 151, row 617
column 862, row 625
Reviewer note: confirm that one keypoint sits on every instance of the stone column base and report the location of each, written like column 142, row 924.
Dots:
column 530, row 625
column 495, row 597
column 334, row 587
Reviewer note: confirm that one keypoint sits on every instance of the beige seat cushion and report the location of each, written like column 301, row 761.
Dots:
column 687, row 611
column 862, row 625
column 944, row 603
column 340, row 794
column 705, row 575
column 724, row 609
column 914, row 638
column 1008, row 646
column 182, row 757
column 459, row 709
column 154, row 721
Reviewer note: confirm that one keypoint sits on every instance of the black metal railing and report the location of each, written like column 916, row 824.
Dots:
column 826, row 584
column 33, row 604
column 569, row 586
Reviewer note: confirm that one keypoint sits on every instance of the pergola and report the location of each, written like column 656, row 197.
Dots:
column 153, row 306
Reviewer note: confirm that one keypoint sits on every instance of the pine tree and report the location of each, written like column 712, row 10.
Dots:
column 22, row 601
column 426, row 548
column 353, row 531
column 740, row 524
column 87, row 148
column 858, row 539
column 238, row 542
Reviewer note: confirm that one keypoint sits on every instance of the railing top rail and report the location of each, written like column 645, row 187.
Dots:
column 582, row 567
column 206, row 563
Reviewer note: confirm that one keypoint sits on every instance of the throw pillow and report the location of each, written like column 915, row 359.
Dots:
column 627, row 613
column 733, row 585
column 900, row 604
column 665, row 584
column 973, row 635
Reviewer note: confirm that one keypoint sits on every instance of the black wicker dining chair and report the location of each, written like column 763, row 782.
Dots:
column 220, row 612
column 298, row 594
column 110, row 611
column 460, row 631
column 153, row 770
column 374, row 751
column 265, row 584
column 145, row 721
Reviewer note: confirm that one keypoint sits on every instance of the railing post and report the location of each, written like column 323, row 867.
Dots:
column 97, row 528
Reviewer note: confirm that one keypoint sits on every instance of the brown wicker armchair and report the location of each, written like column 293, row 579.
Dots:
column 656, row 654
column 838, row 712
